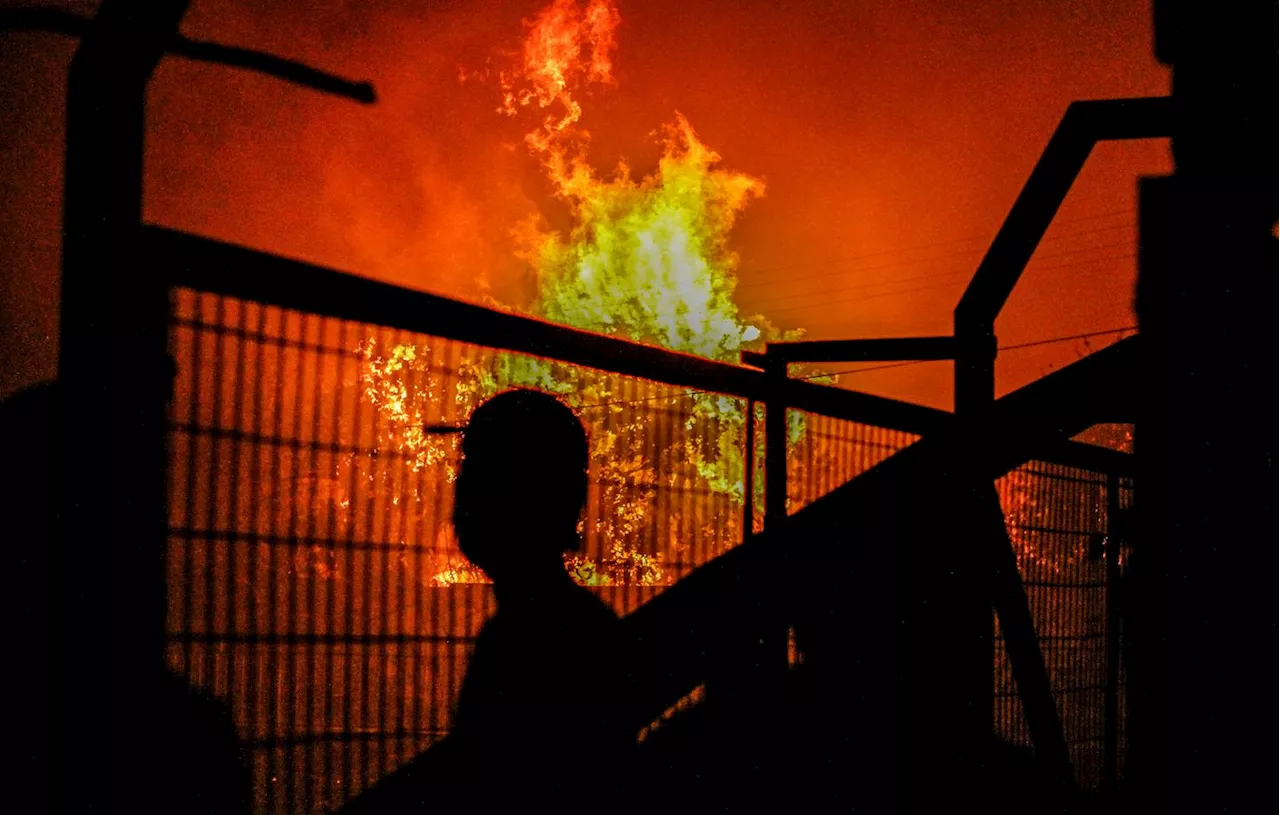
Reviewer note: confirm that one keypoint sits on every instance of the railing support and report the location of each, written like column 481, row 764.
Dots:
column 749, row 472
column 775, row 443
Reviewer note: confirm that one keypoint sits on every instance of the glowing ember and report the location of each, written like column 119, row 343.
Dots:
column 459, row 574
column 623, row 567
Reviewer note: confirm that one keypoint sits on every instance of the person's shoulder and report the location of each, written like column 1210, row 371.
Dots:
column 593, row 609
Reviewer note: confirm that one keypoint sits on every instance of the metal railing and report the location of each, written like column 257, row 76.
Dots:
column 313, row 583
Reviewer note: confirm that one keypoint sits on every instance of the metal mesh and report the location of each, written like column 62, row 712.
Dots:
column 824, row 453
column 313, row 580
column 1057, row 520
column 314, row 584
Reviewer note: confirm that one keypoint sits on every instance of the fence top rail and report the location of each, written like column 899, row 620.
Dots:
column 185, row 260
column 202, row 264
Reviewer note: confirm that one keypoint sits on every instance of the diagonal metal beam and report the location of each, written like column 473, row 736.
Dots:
column 1084, row 125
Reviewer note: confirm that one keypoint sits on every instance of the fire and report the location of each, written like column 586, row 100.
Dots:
column 622, row 567
column 646, row 258
column 462, row 573
column 566, row 46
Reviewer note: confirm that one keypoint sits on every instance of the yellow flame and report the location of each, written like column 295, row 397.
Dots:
column 623, row 567
column 646, row 258
column 649, row 259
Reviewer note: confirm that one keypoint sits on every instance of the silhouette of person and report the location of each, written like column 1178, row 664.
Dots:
column 538, row 716
column 540, row 719
column 199, row 766
column 28, row 512
column 194, row 762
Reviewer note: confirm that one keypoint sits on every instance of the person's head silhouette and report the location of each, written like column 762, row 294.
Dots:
column 522, row 485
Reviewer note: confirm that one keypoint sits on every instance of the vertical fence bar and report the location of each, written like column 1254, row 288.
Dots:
column 775, row 444
column 1111, row 719
column 749, row 471
column 771, row 660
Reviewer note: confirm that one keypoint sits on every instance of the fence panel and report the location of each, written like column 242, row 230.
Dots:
column 315, row 586
column 1057, row 520
column 314, row 583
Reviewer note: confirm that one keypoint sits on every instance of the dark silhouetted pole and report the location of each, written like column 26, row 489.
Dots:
column 113, row 369
column 1203, row 564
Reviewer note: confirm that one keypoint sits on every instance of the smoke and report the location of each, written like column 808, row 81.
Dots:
column 879, row 126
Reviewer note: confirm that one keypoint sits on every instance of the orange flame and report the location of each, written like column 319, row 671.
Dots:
column 567, row 46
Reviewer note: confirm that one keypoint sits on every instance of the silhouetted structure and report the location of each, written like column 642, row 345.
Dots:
column 895, row 628
column 27, row 419
column 191, row 761
column 1203, row 575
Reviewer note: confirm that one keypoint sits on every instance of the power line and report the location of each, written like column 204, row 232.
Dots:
column 755, row 284
column 1084, row 336
column 850, row 371
column 1017, row 347
column 879, row 295
column 764, row 305
column 917, row 247
column 767, row 307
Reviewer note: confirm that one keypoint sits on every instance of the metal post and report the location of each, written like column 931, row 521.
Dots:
column 775, row 444
column 975, row 393
column 114, row 378
column 749, row 473
column 975, row 371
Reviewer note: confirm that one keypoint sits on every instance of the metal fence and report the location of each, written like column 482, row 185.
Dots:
column 313, row 580
column 1058, row 521
column 314, row 584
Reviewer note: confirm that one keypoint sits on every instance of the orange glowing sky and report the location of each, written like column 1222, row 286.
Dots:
column 893, row 137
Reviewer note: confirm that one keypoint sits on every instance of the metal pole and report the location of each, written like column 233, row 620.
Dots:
column 749, row 473
column 113, row 373
column 775, row 443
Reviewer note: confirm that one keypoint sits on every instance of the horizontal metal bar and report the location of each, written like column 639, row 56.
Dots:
column 870, row 350
column 289, row 70
column 340, row 737
column 300, row 638
column 1089, row 457
column 212, row 266
column 57, row 21
column 220, row 268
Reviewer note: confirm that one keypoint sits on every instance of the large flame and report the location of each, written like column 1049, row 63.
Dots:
column 647, row 259
column 566, row 46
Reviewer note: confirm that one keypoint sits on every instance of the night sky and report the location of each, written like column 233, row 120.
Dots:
column 892, row 136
